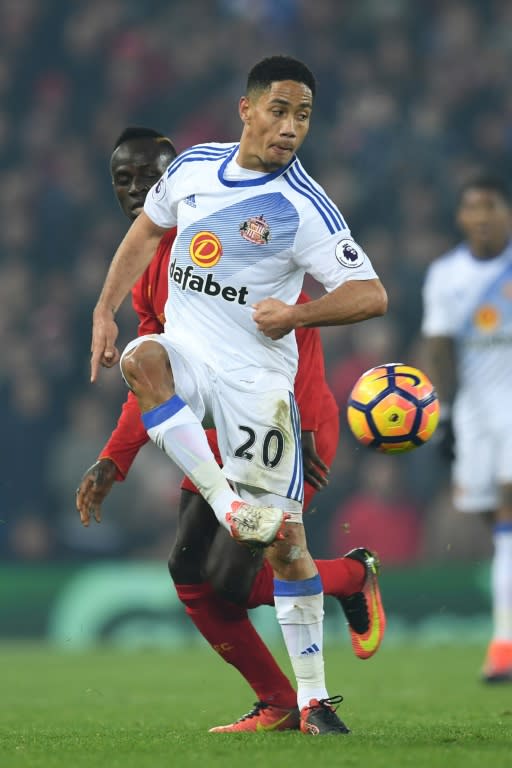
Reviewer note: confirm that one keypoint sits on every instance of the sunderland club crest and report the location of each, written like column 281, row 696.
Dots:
column 256, row 230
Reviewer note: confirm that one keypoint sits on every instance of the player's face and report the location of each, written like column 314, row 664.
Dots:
column 135, row 166
column 276, row 122
column 485, row 218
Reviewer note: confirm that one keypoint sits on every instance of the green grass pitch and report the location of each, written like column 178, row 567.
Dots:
column 421, row 707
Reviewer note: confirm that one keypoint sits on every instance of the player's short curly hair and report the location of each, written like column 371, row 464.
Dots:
column 489, row 180
column 275, row 68
column 139, row 132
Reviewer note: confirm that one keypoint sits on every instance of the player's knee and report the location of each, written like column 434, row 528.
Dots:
column 504, row 512
column 173, row 563
column 147, row 371
column 289, row 555
column 197, row 527
column 148, row 359
column 183, row 565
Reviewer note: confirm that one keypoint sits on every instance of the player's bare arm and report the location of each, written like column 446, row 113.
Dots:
column 129, row 262
column 93, row 489
column 442, row 368
column 351, row 302
column 441, row 361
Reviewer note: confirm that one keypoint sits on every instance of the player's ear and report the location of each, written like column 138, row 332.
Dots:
column 244, row 109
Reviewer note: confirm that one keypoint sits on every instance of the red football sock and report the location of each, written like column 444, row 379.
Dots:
column 340, row 577
column 262, row 592
column 228, row 630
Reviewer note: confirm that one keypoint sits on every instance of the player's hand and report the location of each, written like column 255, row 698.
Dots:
column 315, row 471
column 444, row 439
column 273, row 318
column 103, row 347
column 93, row 489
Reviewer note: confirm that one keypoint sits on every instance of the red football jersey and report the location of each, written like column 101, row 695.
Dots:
column 315, row 400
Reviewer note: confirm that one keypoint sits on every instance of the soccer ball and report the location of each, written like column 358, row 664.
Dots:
column 393, row 408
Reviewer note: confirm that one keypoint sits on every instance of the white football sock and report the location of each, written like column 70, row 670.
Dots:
column 300, row 610
column 501, row 580
column 176, row 430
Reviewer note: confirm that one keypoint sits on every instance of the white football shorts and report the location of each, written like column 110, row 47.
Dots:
column 257, row 423
column 483, row 458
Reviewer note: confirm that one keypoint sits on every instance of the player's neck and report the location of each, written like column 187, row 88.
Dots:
column 486, row 251
column 251, row 162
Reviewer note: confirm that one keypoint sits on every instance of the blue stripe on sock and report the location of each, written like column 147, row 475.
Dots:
column 312, row 586
column 162, row 412
column 503, row 527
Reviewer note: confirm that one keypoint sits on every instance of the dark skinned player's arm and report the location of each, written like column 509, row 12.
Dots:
column 441, row 367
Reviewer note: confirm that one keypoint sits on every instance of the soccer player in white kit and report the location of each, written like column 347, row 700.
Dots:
column 250, row 223
column 468, row 328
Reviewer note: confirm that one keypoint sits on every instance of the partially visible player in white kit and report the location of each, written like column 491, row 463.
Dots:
column 250, row 223
column 468, row 327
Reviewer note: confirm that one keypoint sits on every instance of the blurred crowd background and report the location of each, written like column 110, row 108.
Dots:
column 412, row 96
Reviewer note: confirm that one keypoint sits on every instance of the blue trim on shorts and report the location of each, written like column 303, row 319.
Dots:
column 503, row 527
column 302, row 588
column 296, row 488
column 162, row 412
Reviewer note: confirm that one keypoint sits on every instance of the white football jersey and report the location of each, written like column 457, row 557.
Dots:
column 243, row 236
column 470, row 300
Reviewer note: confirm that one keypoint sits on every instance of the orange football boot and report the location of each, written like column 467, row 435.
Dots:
column 364, row 610
column 498, row 662
column 263, row 717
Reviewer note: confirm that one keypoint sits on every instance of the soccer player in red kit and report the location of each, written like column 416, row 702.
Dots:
column 215, row 577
